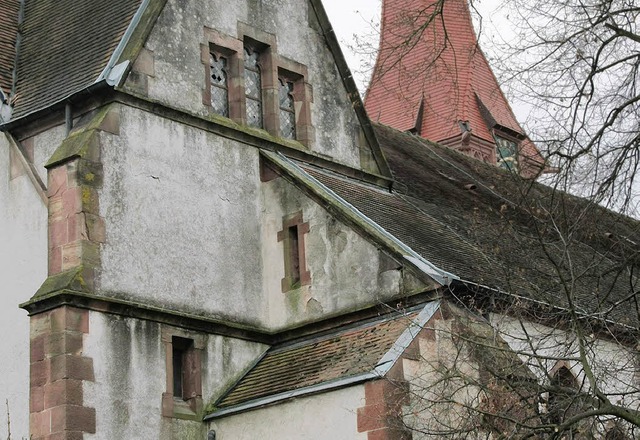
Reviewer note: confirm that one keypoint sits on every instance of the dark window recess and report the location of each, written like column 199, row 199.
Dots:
column 253, row 87
column 294, row 256
column 506, row 153
column 287, row 109
column 182, row 367
column 565, row 400
column 219, row 85
column 295, row 265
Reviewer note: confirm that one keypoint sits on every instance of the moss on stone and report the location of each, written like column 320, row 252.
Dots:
column 74, row 279
column 83, row 142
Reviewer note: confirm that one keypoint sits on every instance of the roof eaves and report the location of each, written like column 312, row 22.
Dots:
column 312, row 389
column 382, row 236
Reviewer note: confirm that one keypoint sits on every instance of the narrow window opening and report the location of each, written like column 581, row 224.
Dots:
column 287, row 109
column 219, row 85
column 564, row 399
column 253, row 87
column 292, row 237
column 294, row 256
column 181, row 351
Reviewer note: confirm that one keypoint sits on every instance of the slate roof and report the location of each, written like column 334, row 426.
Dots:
column 494, row 229
column 8, row 35
column 66, row 44
column 345, row 353
column 431, row 80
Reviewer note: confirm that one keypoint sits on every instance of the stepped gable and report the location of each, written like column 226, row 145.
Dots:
column 431, row 81
column 8, row 35
column 66, row 44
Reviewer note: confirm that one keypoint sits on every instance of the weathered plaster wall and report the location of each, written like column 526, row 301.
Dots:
column 181, row 208
column 43, row 146
column 347, row 272
column 190, row 226
column 130, row 377
column 178, row 74
column 615, row 367
column 324, row 416
column 23, row 267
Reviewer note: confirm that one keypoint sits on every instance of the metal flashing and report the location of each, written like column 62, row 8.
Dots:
column 115, row 56
column 391, row 357
column 442, row 277
column 263, row 401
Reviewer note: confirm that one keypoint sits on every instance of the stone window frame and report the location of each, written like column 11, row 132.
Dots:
column 273, row 67
column 183, row 407
column 294, row 252
column 232, row 49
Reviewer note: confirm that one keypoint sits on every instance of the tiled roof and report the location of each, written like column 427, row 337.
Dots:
column 488, row 227
column 409, row 90
column 8, row 34
column 65, row 46
column 346, row 353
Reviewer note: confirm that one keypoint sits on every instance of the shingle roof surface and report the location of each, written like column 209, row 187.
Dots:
column 498, row 232
column 66, row 45
column 313, row 361
column 8, row 34
column 406, row 73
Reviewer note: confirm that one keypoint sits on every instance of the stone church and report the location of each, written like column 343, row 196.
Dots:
column 206, row 234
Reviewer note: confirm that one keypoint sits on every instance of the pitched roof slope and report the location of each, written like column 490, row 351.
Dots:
column 66, row 44
column 340, row 354
column 492, row 228
column 8, row 35
column 430, row 74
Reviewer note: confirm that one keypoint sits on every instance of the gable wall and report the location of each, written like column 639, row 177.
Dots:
column 176, row 74
column 347, row 272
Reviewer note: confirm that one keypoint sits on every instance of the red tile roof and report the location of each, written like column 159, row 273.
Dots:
column 438, row 77
column 8, row 35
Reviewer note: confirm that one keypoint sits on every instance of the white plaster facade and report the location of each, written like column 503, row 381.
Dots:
column 331, row 415
column 23, row 266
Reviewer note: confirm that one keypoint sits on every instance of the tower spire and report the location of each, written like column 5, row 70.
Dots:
column 431, row 78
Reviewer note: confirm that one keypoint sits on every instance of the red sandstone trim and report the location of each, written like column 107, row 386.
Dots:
column 57, row 371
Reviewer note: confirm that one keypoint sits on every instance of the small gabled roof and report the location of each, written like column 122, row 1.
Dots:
column 333, row 360
column 65, row 46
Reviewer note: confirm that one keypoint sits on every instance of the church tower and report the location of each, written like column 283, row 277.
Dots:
column 432, row 79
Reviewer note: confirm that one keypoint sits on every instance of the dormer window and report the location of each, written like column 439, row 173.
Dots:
column 287, row 109
column 253, row 87
column 506, row 153
column 219, row 85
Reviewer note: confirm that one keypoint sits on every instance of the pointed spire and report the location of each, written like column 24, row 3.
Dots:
column 432, row 79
